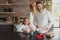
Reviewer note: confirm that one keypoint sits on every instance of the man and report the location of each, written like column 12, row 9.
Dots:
column 42, row 18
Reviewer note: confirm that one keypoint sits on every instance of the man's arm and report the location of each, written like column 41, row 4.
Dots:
column 50, row 20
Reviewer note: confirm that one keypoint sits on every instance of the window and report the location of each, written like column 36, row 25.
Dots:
column 56, row 12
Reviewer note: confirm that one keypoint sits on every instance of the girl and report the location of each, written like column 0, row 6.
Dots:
column 17, row 24
column 25, row 30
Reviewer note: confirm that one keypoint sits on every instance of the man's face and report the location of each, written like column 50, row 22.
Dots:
column 39, row 6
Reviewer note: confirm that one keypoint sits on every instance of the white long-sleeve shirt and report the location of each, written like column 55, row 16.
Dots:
column 31, row 18
column 24, row 27
column 17, row 26
column 43, row 18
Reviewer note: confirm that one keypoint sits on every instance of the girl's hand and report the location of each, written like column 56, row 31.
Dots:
column 24, row 31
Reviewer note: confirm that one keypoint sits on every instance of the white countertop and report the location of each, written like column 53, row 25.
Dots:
column 7, row 23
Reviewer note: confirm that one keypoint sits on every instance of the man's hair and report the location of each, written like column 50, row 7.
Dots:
column 38, row 2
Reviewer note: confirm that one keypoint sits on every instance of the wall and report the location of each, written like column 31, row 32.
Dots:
column 21, row 7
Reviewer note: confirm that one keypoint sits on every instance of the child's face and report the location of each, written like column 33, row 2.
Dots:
column 26, row 21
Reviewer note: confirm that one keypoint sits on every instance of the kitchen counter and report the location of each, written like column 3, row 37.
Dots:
column 7, row 23
column 6, row 26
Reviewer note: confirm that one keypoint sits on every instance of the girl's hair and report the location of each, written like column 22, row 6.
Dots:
column 32, row 8
column 17, row 20
column 25, row 19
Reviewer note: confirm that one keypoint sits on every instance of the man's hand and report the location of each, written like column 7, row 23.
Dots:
column 46, row 28
column 38, row 26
